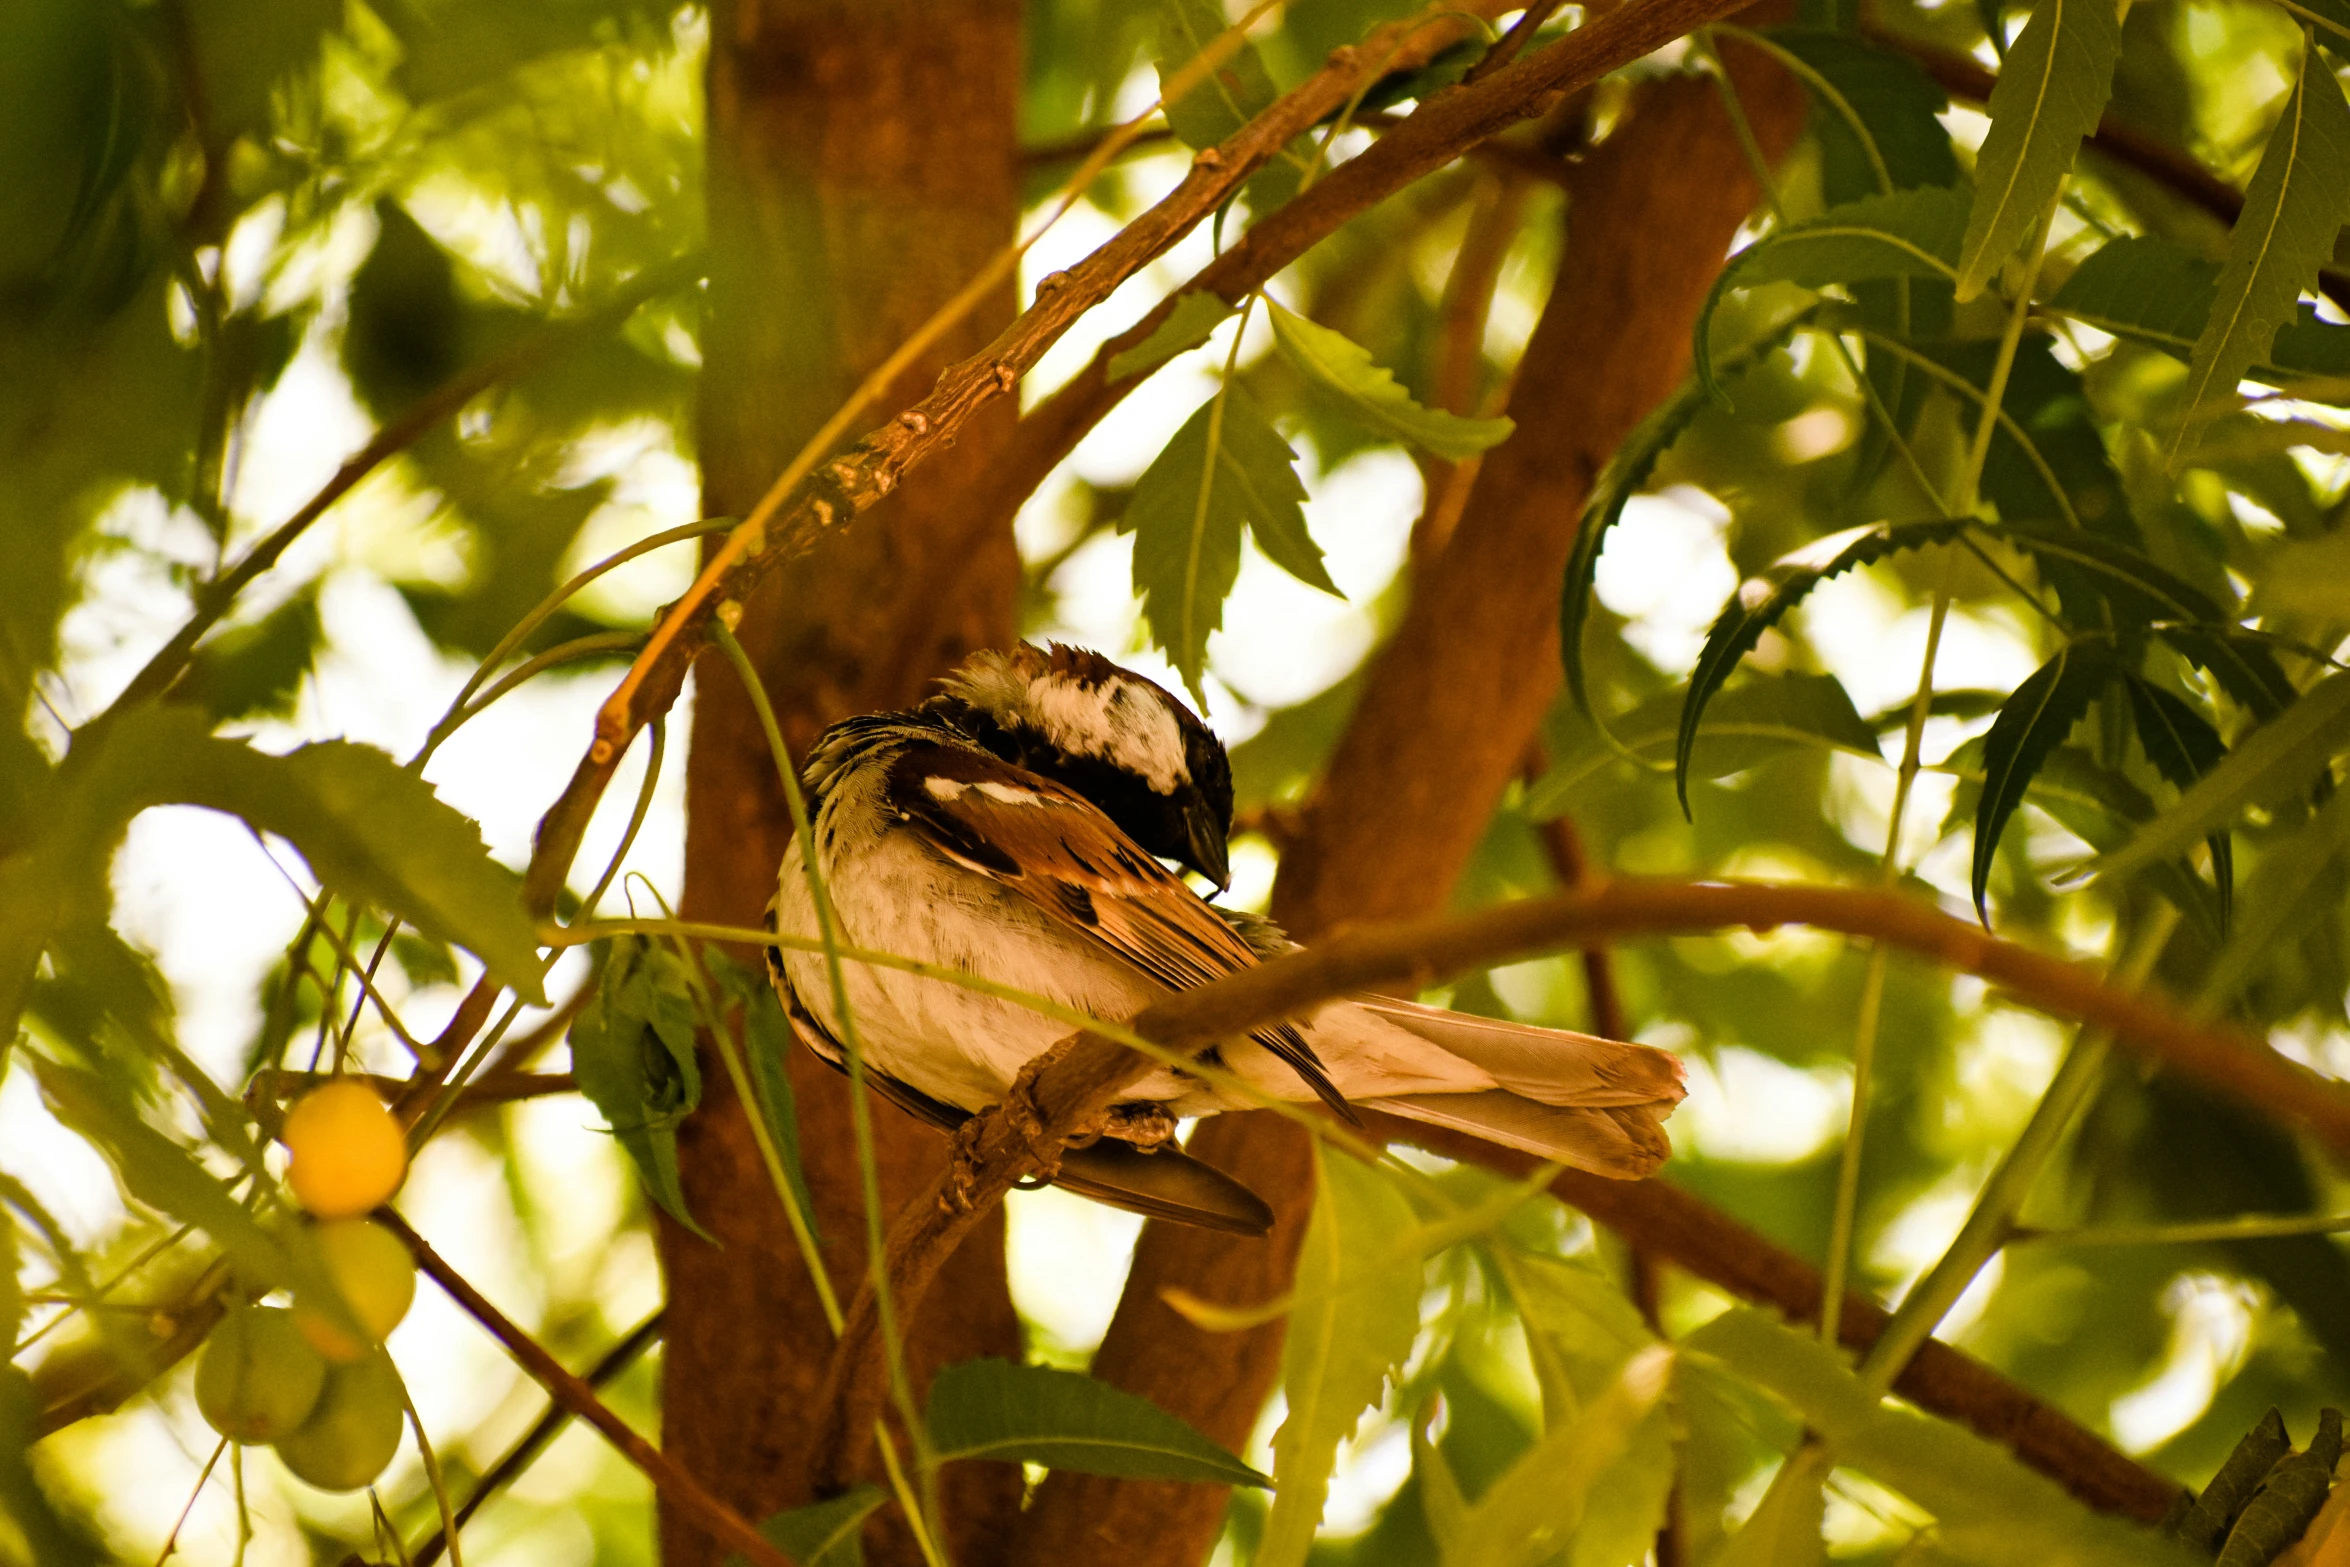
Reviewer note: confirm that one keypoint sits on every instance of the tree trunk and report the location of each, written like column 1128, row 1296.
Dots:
column 1447, row 712
column 862, row 165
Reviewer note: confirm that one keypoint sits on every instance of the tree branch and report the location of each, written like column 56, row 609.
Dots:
column 1661, row 1220
column 1013, row 1141
column 679, row 1489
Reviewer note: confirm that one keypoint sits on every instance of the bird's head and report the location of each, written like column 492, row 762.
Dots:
column 1124, row 742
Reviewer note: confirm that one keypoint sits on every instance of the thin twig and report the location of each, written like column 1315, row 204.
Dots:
column 680, row 1490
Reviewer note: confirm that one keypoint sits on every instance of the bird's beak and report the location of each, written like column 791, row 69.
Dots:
column 1203, row 837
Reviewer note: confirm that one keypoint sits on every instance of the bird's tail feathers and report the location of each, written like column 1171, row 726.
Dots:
column 1554, row 1066
column 1624, row 1142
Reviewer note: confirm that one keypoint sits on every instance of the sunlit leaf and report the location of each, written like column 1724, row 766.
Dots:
column 1195, row 317
column 2273, row 761
column 824, row 1534
column 2287, row 893
column 2052, row 87
column 256, row 669
column 1988, row 1506
column 2156, row 291
column 1762, row 602
column 632, row 1049
column 1370, row 392
column 767, row 1043
column 2033, row 724
column 25, row 1507
column 1234, row 94
column 1536, row 1510
column 1356, row 1326
column 1878, row 124
column 1907, row 234
column 1065, row 1420
column 2297, row 202
column 1187, row 515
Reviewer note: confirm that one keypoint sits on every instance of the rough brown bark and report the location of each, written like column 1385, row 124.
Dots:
column 1449, row 709
column 862, row 166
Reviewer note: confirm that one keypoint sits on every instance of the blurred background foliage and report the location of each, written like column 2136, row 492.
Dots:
column 237, row 238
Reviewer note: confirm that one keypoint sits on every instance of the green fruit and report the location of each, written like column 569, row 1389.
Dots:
column 355, row 1429
column 377, row 1280
column 259, row 1378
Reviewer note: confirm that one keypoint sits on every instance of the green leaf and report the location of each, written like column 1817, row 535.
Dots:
column 2052, row 87
column 2156, row 291
column 1356, row 1321
column 1745, row 726
column 1194, row 319
column 632, row 1050
column 1990, row 1508
column 1881, row 131
column 2206, row 1523
column 11, row 1292
column 2034, row 723
column 2275, row 760
column 1343, row 368
column 2298, row 201
column 2183, row 746
column 1786, row 1530
column 1762, row 602
column 829, row 1533
column 1065, row 1420
column 2245, row 667
column 1234, row 94
column 1187, row 514
column 767, row 1043
column 2281, row 1511
column 1907, row 234
column 25, row 1508
column 1536, row 1509
column 256, row 669
column 1626, row 472
column 2286, row 894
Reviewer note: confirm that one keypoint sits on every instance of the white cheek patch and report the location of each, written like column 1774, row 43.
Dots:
column 1115, row 722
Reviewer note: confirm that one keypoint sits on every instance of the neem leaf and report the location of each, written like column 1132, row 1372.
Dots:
column 1536, row 1509
column 767, row 1041
column 2297, row 202
column 1907, row 234
column 1195, row 317
column 1187, row 514
column 1762, row 602
column 2156, row 291
column 2287, row 893
column 1065, row 1420
column 1881, row 131
column 1357, row 1315
column 1345, row 369
column 2276, row 759
column 2245, row 667
column 2125, row 578
column 2280, row 1512
column 2183, row 746
column 2206, row 1523
column 1626, row 472
column 2052, row 87
column 2034, row 723
column 1988, row 1507
column 632, row 1050
column 824, row 1534
column 1750, row 723
column 1234, row 94
column 50, row 1536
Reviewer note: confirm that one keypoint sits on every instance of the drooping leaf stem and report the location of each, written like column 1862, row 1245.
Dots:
column 852, row 1046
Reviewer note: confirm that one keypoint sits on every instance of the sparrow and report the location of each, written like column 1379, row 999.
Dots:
column 1013, row 827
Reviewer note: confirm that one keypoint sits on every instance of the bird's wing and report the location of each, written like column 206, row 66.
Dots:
column 1057, row 850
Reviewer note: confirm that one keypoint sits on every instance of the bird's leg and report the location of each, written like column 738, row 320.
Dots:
column 1148, row 1126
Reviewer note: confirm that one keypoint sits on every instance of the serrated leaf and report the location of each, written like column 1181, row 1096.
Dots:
column 2033, row 724
column 2288, row 1499
column 1535, row 1510
column 1187, row 514
column 1762, row 602
column 2155, row 291
column 2205, row 1523
column 256, row 669
column 1370, row 392
column 1193, row 321
column 829, row 1533
column 2051, row 90
column 1626, row 471
column 2297, row 202
column 1907, row 234
column 1990, row 1509
column 2245, row 667
column 2275, row 760
column 2135, row 586
column 1745, row 726
column 1235, row 93
column 2183, row 746
column 632, row 1051
column 1065, row 1420
column 1356, row 1326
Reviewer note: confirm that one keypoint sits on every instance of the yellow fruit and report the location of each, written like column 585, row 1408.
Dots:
column 355, row 1429
column 376, row 1278
column 258, row 1379
column 349, row 1154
